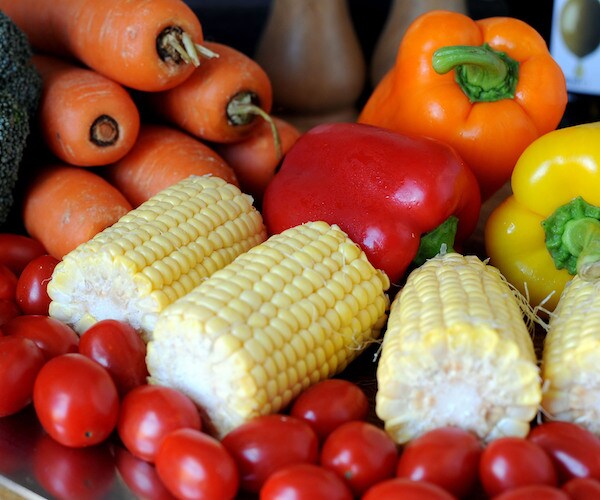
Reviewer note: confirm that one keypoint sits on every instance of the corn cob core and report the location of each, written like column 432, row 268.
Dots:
column 288, row 313
column 571, row 356
column 457, row 352
column 155, row 254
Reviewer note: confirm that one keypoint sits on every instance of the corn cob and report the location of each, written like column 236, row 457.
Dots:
column 457, row 352
column 155, row 254
column 288, row 313
column 571, row 356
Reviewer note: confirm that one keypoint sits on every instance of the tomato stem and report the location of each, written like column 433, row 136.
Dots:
column 483, row 74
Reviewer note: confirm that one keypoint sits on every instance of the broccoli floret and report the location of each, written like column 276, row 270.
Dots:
column 14, row 130
column 18, row 76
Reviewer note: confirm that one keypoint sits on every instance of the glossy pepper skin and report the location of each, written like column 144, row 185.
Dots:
column 512, row 90
column 385, row 190
column 556, row 186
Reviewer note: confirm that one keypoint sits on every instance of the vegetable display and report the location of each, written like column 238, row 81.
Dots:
column 154, row 254
column 383, row 189
column 548, row 228
column 289, row 312
column 457, row 352
column 162, row 37
column 487, row 87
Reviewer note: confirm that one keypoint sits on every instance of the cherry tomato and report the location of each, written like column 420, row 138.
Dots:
column 66, row 472
column 192, row 464
column 76, row 400
column 582, row 488
column 405, row 489
column 32, row 294
column 120, row 349
column 574, row 450
column 361, row 453
column 533, row 491
column 8, row 310
column 19, row 434
column 329, row 404
column 140, row 476
column 52, row 336
column 16, row 251
column 149, row 413
column 305, row 482
column 8, row 283
column 448, row 457
column 268, row 443
column 511, row 462
column 20, row 362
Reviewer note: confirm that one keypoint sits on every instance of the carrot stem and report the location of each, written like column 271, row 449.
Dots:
column 175, row 45
column 104, row 131
column 241, row 110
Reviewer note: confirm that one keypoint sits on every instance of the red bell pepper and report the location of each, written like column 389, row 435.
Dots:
column 385, row 190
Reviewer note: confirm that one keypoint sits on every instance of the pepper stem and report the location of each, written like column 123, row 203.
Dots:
column 483, row 74
column 433, row 242
column 582, row 238
column 573, row 238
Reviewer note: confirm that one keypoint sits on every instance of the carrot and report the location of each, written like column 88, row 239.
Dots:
column 85, row 119
column 147, row 45
column 256, row 159
column 220, row 102
column 161, row 157
column 64, row 206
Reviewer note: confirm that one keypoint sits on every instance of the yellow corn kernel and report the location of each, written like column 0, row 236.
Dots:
column 457, row 352
column 245, row 343
column 155, row 254
column 571, row 356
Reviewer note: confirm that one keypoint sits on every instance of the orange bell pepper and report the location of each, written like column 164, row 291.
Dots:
column 488, row 88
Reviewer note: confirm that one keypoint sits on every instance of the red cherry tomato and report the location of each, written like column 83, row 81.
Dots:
column 448, row 457
column 32, row 295
column 140, row 476
column 511, row 462
column 329, row 404
column 8, row 283
column 52, row 336
column 66, row 472
column 8, row 310
column 19, row 435
column 268, row 443
column 120, row 349
column 149, row 413
column 575, row 451
column 405, row 489
column 532, row 491
column 76, row 400
column 305, row 481
column 193, row 464
column 20, row 362
column 582, row 488
column 16, row 251
column 361, row 453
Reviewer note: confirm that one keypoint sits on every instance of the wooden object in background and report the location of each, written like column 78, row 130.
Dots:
column 402, row 13
column 311, row 52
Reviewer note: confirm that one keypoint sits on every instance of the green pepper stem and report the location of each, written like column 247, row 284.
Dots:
column 581, row 237
column 434, row 241
column 483, row 74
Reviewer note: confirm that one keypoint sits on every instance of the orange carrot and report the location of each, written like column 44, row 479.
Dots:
column 161, row 157
column 255, row 159
column 221, row 100
column 84, row 118
column 64, row 206
column 142, row 44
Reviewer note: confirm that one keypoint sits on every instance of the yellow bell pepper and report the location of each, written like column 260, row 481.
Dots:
column 549, row 228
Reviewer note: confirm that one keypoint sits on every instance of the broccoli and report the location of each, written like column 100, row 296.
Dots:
column 14, row 130
column 20, row 92
column 18, row 75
